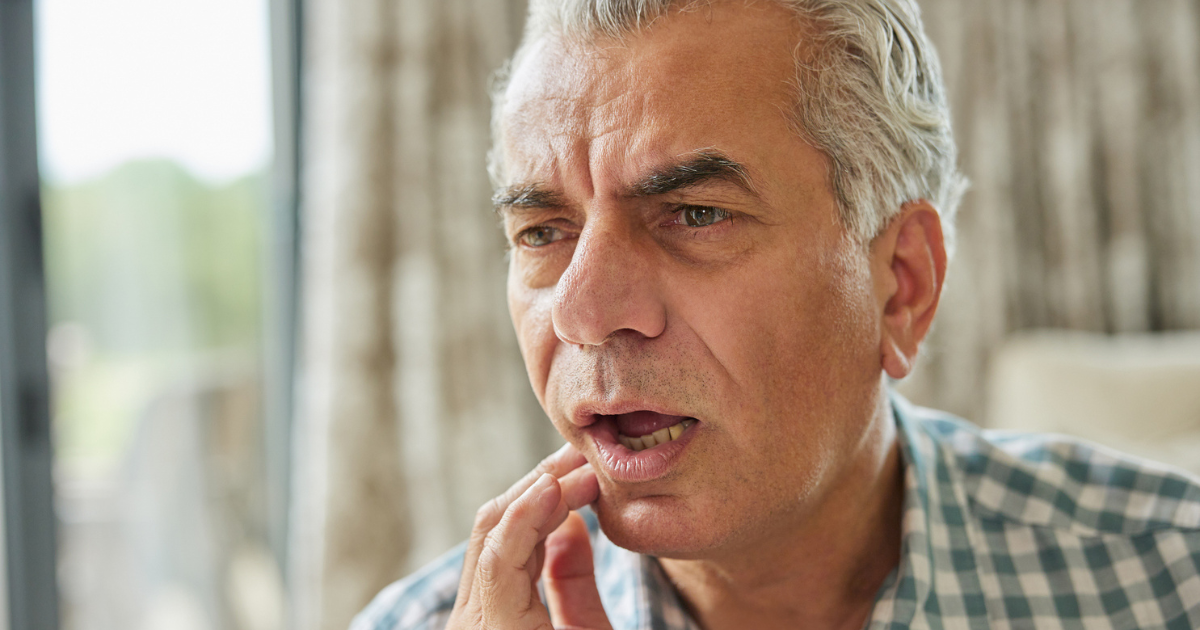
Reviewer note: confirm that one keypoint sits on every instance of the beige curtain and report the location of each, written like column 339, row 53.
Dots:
column 1078, row 121
column 415, row 407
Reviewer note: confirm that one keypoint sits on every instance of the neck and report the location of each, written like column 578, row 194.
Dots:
column 820, row 569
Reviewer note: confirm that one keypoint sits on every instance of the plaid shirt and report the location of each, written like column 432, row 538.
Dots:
column 1000, row 530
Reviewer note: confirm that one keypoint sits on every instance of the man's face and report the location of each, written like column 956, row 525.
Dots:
column 678, row 260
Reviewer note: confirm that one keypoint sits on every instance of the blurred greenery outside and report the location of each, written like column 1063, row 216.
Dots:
column 148, row 271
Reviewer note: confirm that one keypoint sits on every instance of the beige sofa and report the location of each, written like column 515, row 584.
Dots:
column 1139, row 394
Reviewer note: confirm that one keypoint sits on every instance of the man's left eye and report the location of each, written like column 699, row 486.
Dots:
column 701, row 216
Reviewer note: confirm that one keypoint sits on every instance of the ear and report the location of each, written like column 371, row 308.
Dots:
column 908, row 265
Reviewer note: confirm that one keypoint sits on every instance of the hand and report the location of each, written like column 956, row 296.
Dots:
column 515, row 535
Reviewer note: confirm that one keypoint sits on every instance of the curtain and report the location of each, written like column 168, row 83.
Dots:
column 1078, row 122
column 414, row 404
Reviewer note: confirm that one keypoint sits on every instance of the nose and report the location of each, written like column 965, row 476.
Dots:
column 609, row 287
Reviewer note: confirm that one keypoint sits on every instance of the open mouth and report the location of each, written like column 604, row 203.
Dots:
column 641, row 430
column 640, row 445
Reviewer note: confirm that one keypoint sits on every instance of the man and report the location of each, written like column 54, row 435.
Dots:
column 727, row 224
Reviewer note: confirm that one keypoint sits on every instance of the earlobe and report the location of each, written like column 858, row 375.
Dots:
column 896, row 363
column 911, row 255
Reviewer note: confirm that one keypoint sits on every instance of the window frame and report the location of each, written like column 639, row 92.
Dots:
column 283, row 310
column 25, row 439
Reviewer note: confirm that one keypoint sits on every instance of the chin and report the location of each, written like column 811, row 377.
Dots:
column 661, row 526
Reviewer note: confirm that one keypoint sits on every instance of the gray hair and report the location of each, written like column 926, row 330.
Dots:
column 869, row 89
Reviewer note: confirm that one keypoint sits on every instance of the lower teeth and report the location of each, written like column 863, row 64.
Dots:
column 661, row 436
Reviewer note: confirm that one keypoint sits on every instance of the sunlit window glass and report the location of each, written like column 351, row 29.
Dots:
column 154, row 132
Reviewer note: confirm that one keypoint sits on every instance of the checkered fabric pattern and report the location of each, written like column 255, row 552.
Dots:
column 1000, row 530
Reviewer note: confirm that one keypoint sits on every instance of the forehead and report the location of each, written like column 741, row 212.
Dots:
column 600, row 112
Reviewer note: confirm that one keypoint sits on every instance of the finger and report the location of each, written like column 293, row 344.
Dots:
column 570, row 577
column 502, row 585
column 534, row 567
column 563, row 461
column 580, row 487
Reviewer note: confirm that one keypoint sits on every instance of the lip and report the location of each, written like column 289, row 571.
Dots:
column 624, row 465
column 588, row 414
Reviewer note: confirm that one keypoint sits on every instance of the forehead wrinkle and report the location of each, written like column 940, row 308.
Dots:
column 620, row 136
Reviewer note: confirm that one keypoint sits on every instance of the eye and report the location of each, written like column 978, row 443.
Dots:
column 539, row 236
column 702, row 216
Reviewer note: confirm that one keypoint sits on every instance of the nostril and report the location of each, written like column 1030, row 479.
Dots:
column 611, row 285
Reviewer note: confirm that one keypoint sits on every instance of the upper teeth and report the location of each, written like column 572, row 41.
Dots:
column 660, row 436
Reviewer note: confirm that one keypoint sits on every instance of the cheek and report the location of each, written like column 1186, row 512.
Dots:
column 541, row 268
column 827, row 373
column 530, row 311
column 772, row 332
column 853, row 320
column 831, row 314
column 802, row 347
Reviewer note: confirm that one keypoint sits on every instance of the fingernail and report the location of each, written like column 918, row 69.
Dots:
column 544, row 482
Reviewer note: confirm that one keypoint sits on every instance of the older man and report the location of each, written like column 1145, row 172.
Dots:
column 728, row 223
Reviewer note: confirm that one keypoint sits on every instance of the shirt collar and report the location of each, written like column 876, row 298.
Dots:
column 908, row 587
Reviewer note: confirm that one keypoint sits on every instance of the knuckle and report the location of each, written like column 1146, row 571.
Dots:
column 464, row 620
column 488, row 570
column 517, row 511
column 547, row 465
column 488, row 515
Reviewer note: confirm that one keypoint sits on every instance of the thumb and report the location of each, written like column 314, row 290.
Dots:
column 570, row 578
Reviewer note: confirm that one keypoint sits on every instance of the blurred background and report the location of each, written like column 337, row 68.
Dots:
column 277, row 359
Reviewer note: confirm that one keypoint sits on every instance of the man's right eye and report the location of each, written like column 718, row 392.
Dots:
column 539, row 236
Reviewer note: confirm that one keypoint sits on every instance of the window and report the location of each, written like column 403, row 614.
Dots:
column 166, row 263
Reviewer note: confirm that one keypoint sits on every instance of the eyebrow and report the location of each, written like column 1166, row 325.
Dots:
column 699, row 168
column 526, row 196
